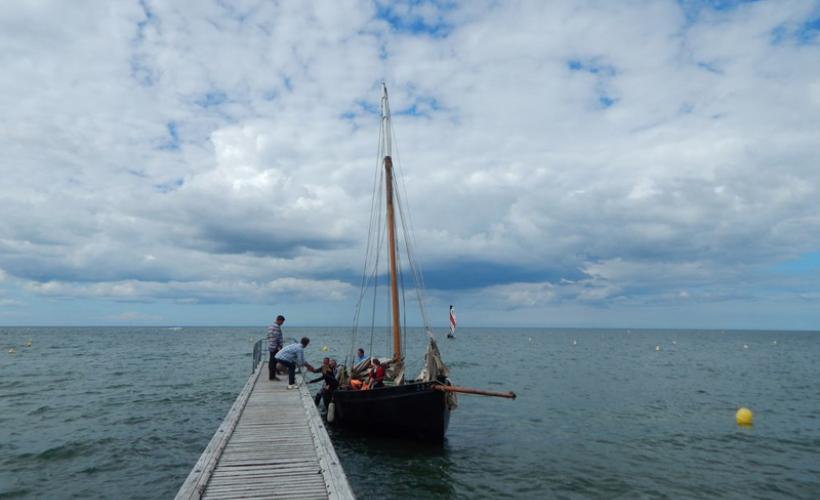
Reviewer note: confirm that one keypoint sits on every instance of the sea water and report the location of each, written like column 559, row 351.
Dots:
column 126, row 412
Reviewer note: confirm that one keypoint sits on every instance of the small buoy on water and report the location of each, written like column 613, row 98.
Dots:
column 12, row 350
column 657, row 347
column 331, row 412
column 324, row 348
column 28, row 344
column 743, row 416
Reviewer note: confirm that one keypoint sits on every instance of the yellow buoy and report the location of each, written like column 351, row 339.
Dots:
column 743, row 416
column 324, row 348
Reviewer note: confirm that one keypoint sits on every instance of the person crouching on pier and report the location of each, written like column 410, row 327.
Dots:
column 293, row 355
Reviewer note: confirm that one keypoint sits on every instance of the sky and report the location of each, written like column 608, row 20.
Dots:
column 636, row 164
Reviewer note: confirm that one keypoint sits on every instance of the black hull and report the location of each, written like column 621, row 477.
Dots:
column 412, row 411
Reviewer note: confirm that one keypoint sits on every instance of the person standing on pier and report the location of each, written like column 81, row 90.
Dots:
column 293, row 355
column 274, row 345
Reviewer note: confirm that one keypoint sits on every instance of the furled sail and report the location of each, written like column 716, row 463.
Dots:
column 434, row 369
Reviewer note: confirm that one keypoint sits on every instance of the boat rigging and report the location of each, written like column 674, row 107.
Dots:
column 412, row 408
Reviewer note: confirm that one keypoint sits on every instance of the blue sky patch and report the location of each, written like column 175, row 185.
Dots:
column 150, row 17
column 693, row 8
column 605, row 101
column 592, row 66
column 422, row 106
column 233, row 12
column 211, row 99
column 170, row 186
column 362, row 108
column 778, row 35
column 368, row 108
column 808, row 31
column 804, row 34
column 710, row 67
column 172, row 144
column 602, row 72
column 805, row 263
column 405, row 17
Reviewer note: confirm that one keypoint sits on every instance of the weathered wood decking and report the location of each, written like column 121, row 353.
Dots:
column 272, row 444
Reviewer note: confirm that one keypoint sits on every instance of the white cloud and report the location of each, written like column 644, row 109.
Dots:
column 205, row 151
column 131, row 317
column 196, row 291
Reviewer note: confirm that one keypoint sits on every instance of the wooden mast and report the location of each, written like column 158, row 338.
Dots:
column 391, row 224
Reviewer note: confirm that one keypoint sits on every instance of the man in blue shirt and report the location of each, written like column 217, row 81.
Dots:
column 359, row 356
column 293, row 355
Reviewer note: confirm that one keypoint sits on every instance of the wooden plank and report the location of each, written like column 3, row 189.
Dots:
column 272, row 443
column 335, row 478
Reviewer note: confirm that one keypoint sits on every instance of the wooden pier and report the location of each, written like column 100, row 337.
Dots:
column 272, row 444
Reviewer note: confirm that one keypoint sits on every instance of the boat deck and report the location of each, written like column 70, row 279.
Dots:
column 272, row 444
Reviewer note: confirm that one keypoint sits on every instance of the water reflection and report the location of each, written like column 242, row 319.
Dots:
column 394, row 468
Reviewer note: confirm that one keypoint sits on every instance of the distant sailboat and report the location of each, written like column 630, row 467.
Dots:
column 452, row 333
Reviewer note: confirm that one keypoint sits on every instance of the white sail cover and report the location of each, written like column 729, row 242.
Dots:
column 434, row 369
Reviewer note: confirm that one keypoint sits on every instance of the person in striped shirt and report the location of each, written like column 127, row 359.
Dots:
column 293, row 355
column 274, row 345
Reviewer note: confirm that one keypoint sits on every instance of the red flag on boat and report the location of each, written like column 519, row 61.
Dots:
column 452, row 321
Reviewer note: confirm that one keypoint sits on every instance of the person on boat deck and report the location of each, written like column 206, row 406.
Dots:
column 293, row 355
column 376, row 378
column 328, row 371
column 359, row 356
column 274, row 345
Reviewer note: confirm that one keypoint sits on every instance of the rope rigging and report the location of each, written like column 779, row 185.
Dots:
column 376, row 243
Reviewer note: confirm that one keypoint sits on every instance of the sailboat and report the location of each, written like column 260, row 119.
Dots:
column 413, row 408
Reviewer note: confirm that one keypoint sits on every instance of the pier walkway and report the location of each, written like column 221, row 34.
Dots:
column 272, row 444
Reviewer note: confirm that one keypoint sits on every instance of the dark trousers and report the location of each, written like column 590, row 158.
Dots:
column 291, row 371
column 330, row 384
column 272, row 365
